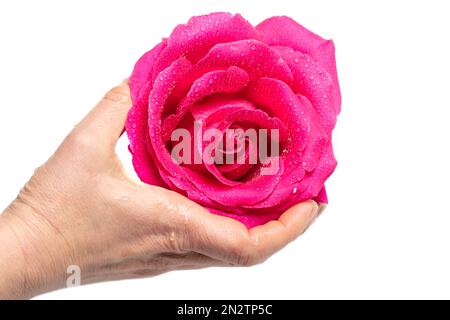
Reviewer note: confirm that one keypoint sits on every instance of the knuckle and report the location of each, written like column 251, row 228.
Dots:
column 245, row 253
column 176, row 242
column 235, row 247
column 248, row 259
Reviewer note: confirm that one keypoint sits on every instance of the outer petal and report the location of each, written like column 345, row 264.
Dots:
column 201, row 33
column 136, row 124
column 143, row 70
column 284, row 31
column 136, row 127
column 322, row 196
column 311, row 186
column 317, row 139
column 251, row 218
column 253, row 56
column 313, row 82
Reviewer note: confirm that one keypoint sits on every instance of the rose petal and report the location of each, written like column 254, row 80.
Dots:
column 220, row 81
column 235, row 170
column 284, row 31
column 299, row 186
column 255, row 57
column 201, row 33
column 136, row 128
column 313, row 82
column 285, row 194
column 322, row 196
column 313, row 182
column 143, row 70
column 283, row 104
column 221, row 54
column 221, row 114
column 250, row 219
column 308, row 139
column 183, row 177
column 317, row 139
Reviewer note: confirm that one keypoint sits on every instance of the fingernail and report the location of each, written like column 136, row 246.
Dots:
column 322, row 207
column 315, row 211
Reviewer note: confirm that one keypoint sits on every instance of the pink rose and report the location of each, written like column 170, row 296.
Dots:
column 222, row 72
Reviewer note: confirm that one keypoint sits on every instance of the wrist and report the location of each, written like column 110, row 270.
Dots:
column 33, row 259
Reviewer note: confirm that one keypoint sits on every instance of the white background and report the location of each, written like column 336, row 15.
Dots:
column 386, row 233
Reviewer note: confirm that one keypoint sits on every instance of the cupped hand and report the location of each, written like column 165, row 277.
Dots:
column 81, row 208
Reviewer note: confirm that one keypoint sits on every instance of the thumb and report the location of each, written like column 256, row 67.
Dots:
column 106, row 121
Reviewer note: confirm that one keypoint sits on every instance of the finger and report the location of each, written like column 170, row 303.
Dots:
column 191, row 226
column 218, row 237
column 228, row 240
column 191, row 260
column 106, row 121
column 322, row 207
column 154, row 265
column 274, row 235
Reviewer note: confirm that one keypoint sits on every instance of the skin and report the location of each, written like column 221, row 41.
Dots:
column 81, row 208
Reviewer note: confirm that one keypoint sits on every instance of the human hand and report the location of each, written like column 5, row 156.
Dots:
column 80, row 208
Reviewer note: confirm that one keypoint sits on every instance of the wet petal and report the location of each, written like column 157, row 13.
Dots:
column 194, row 39
column 284, row 31
column 283, row 104
column 143, row 70
column 220, row 81
column 250, row 219
column 313, row 82
column 137, row 130
column 317, row 139
column 183, row 177
column 255, row 57
column 287, row 73
column 313, row 182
